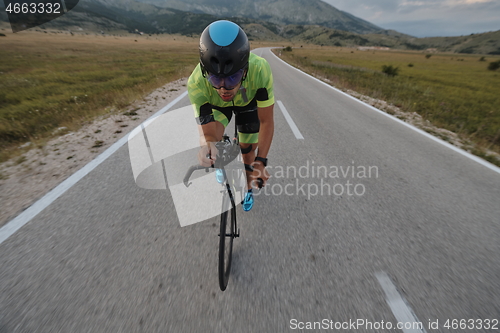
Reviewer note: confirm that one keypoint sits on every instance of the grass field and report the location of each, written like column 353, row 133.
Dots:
column 53, row 80
column 453, row 91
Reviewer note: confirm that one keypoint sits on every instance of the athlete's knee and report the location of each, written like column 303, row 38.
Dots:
column 247, row 148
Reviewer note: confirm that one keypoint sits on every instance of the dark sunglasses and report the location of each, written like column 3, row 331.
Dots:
column 227, row 82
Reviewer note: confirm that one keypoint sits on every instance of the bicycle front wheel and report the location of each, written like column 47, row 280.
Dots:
column 227, row 234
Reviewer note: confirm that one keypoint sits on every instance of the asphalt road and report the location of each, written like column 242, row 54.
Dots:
column 413, row 233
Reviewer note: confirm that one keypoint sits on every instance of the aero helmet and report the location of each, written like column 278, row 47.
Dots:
column 224, row 48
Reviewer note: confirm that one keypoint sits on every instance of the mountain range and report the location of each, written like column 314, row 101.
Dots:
column 300, row 21
column 282, row 12
column 278, row 12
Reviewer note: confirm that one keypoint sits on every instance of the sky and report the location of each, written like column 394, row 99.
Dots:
column 426, row 18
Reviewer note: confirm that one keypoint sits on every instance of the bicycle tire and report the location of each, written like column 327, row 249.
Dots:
column 226, row 237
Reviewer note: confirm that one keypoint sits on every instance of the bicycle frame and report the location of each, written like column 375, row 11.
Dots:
column 228, row 151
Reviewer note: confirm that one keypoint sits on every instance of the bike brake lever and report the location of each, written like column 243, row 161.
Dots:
column 213, row 165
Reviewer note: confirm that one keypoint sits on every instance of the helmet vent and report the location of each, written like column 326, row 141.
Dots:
column 228, row 67
column 214, row 63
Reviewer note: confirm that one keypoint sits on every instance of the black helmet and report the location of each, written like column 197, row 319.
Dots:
column 224, row 48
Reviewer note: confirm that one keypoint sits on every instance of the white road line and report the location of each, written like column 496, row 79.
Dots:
column 290, row 121
column 399, row 307
column 18, row 222
column 444, row 143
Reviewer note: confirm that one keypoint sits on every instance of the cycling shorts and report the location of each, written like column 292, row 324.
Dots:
column 246, row 118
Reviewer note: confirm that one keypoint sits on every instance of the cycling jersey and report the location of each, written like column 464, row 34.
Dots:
column 256, row 91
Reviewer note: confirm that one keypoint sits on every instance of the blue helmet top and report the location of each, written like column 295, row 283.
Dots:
column 223, row 33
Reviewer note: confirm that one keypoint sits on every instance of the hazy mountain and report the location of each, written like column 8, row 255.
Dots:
column 280, row 12
column 485, row 43
column 118, row 16
column 151, row 19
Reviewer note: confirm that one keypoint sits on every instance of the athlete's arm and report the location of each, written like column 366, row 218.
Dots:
column 208, row 133
column 208, row 138
column 266, row 132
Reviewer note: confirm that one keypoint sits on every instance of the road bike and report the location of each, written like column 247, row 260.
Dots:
column 228, row 151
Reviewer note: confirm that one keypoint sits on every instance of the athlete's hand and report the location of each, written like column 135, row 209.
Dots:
column 259, row 171
column 207, row 155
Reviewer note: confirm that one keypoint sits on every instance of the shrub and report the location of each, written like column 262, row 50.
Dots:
column 410, row 65
column 468, row 50
column 493, row 66
column 288, row 49
column 427, row 56
column 390, row 70
column 482, row 59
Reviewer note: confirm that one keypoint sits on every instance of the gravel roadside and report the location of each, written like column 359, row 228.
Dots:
column 29, row 177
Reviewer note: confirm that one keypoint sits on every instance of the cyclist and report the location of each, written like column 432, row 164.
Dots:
column 229, row 79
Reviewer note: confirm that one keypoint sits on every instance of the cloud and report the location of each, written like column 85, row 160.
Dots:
column 467, row 2
column 427, row 17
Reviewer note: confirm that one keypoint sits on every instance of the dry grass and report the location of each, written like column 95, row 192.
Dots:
column 455, row 92
column 54, row 80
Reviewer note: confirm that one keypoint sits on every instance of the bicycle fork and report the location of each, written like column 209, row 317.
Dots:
column 236, row 231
